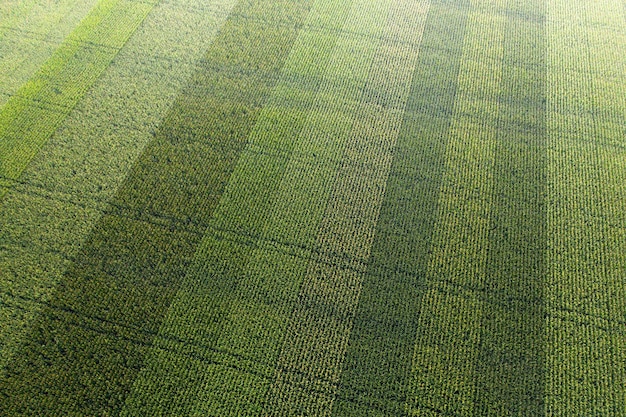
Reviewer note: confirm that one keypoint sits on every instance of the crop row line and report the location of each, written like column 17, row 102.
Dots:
column 303, row 26
column 329, row 30
column 188, row 342
column 312, row 319
column 197, row 227
column 311, row 158
column 254, row 96
column 372, row 96
column 100, row 204
column 370, row 93
column 41, row 37
column 464, row 6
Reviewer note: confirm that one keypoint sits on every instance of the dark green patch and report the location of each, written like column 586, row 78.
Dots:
column 511, row 360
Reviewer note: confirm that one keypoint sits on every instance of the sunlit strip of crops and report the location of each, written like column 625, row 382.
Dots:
column 30, row 35
column 586, row 294
column 36, row 110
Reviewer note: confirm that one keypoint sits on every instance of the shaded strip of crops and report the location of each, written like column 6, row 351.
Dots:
column 71, row 369
column 511, row 361
column 380, row 350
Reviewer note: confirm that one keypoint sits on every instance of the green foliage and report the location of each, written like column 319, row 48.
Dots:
column 296, row 207
column 29, row 35
column 376, row 371
column 512, row 342
column 235, row 302
column 36, row 110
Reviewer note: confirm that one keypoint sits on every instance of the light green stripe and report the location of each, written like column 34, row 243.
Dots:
column 37, row 109
column 587, row 222
column 315, row 341
column 25, row 48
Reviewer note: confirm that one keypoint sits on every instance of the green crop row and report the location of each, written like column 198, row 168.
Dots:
column 449, row 322
column 298, row 207
column 585, row 284
column 510, row 360
column 255, row 283
column 25, row 126
column 315, row 341
column 376, row 371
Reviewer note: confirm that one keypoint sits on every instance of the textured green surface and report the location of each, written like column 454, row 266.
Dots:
column 443, row 376
column 313, row 208
column 38, row 107
column 510, row 363
column 375, row 378
column 221, row 336
column 586, row 333
column 116, row 290
column 30, row 32
column 49, row 212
